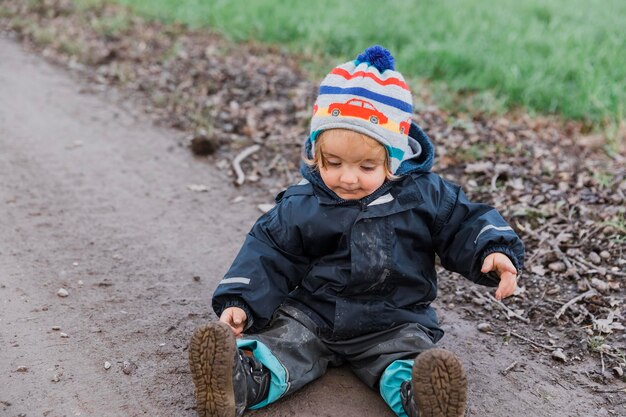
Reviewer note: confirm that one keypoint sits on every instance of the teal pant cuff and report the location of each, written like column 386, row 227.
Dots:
column 390, row 382
column 278, row 381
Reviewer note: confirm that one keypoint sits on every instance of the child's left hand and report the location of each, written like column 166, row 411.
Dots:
column 502, row 265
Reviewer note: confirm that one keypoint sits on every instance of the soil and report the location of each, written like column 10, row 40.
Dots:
column 120, row 216
column 95, row 200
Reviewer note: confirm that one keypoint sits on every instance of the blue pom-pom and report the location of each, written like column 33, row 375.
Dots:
column 378, row 57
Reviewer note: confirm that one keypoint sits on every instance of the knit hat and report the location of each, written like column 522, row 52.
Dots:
column 368, row 96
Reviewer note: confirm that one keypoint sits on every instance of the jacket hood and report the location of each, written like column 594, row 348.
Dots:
column 417, row 139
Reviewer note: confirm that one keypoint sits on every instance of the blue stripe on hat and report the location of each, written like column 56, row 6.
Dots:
column 363, row 92
column 395, row 153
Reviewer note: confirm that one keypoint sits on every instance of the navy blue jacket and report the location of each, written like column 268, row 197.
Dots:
column 363, row 266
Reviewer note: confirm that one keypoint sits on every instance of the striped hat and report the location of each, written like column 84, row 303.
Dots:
column 366, row 95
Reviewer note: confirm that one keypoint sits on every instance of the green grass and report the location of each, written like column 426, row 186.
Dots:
column 551, row 56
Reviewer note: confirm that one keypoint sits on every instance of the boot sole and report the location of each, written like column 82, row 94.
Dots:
column 439, row 384
column 211, row 359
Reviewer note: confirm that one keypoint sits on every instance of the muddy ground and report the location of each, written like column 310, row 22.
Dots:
column 94, row 199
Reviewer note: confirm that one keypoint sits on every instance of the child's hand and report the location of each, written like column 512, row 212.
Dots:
column 502, row 265
column 236, row 318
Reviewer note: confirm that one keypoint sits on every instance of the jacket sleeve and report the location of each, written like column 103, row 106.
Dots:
column 464, row 233
column 268, row 266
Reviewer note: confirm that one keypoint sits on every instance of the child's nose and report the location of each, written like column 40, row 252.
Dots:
column 348, row 177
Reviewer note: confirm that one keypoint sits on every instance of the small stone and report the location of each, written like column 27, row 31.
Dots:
column 478, row 301
column 553, row 290
column 484, row 327
column 606, row 348
column 605, row 254
column 64, row 335
column 559, row 355
column 196, row 278
column 117, row 257
column 199, row 188
column 595, row 258
column 538, row 270
column 75, row 263
column 107, row 365
column 80, row 283
column 128, row 367
column 600, row 285
column 618, row 371
column 56, row 378
column 62, row 292
column 56, row 327
column 557, row 266
column 21, row 369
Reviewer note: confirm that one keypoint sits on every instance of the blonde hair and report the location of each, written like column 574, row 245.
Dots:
column 318, row 159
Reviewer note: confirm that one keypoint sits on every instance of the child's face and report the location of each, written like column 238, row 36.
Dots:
column 352, row 165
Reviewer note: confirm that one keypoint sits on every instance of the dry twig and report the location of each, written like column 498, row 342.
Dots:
column 241, row 177
column 604, row 391
column 503, row 307
column 574, row 300
column 532, row 342
column 509, row 368
column 597, row 267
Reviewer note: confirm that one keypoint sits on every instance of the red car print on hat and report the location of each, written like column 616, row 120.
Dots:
column 405, row 126
column 358, row 108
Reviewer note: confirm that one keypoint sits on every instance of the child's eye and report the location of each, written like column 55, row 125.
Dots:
column 368, row 168
column 333, row 163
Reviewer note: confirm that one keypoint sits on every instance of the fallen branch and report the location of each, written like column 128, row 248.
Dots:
column 595, row 388
column 614, row 356
column 574, row 300
column 508, row 310
column 602, row 360
column 274, row 162
column 502, row 306
column 532, row 342
column 494, row 181
column 596, row 267
column 241, row 177
column 509, row 368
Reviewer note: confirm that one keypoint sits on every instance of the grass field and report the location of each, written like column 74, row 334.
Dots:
column 550, row 56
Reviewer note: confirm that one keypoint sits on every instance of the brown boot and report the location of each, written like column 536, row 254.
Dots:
column 212, row 360
column 227, row 380
column 439, row 385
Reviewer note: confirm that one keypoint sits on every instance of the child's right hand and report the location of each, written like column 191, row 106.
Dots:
column 236, row 318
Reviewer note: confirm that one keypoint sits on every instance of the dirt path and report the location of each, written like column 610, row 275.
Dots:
column 95, row 200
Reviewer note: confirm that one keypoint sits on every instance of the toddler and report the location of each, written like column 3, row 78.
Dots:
column 342, row 269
